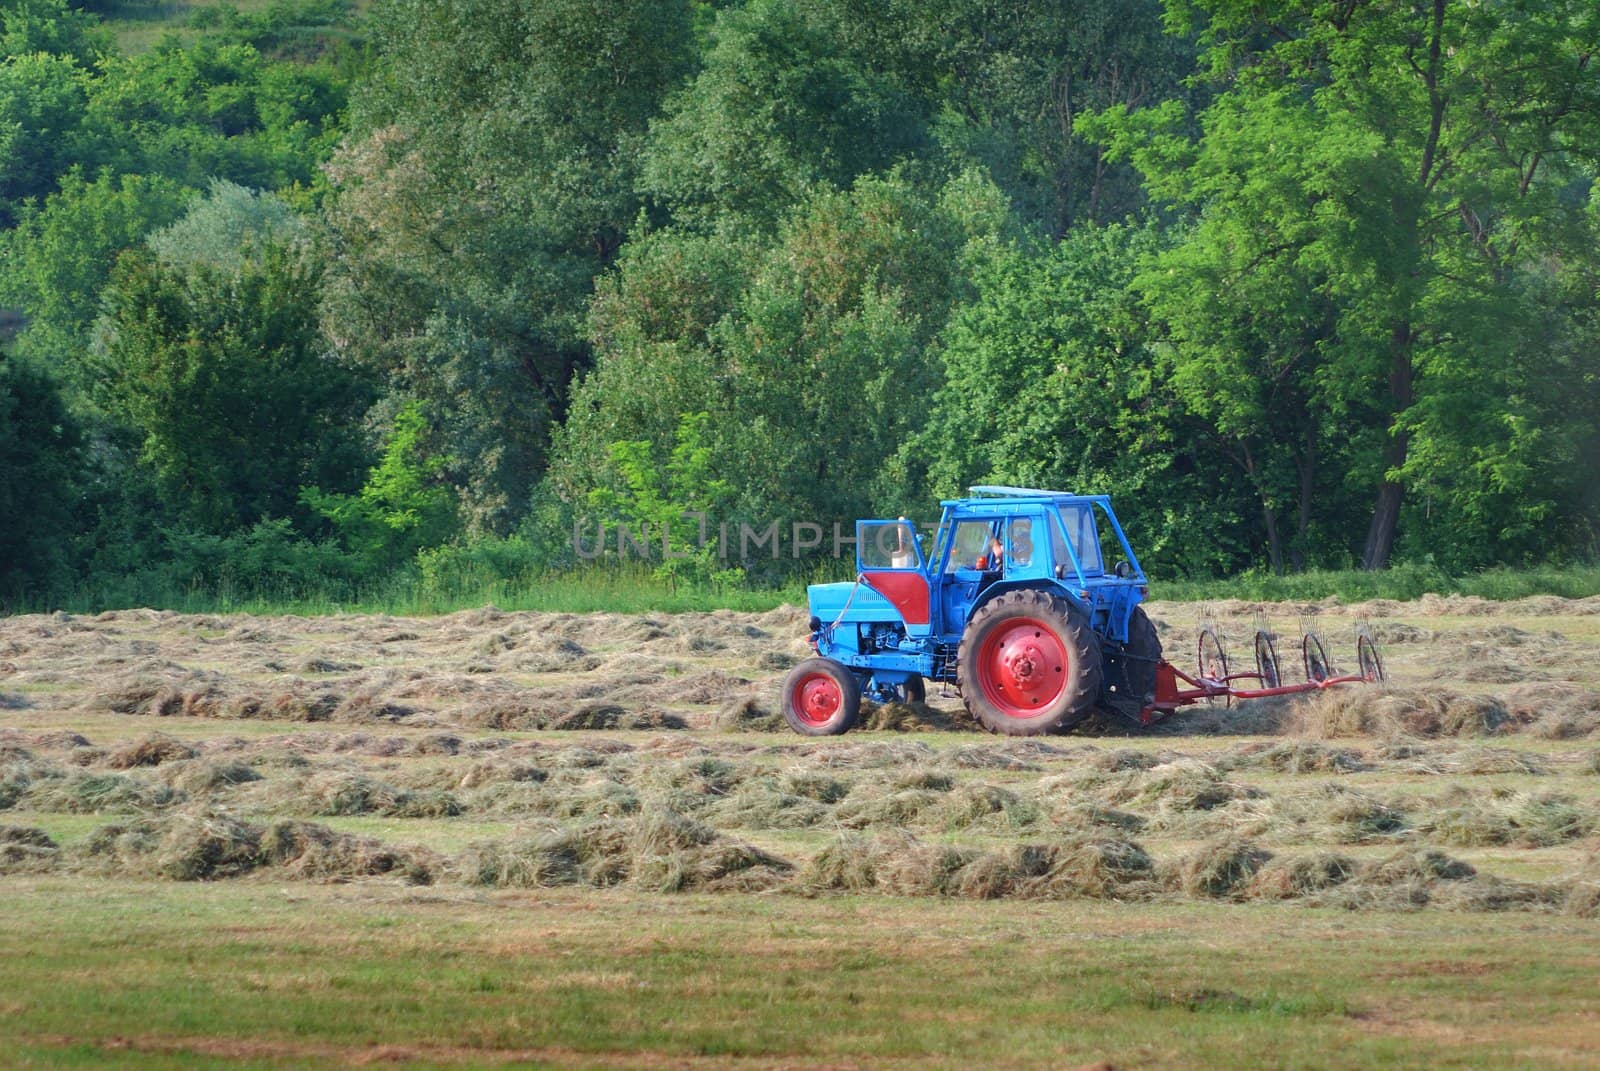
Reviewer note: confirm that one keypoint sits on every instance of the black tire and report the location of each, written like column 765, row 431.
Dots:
column 916, row 691
column 1144, row 654
column 1267, row 660
column 1314, row 657
column 1370, row 661
column 1024, row 632
column 811, row 707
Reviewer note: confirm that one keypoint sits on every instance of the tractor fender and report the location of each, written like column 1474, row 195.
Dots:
column 1000, row 587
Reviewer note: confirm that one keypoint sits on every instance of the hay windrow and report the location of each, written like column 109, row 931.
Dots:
column 1346, row 712
column 429, row 722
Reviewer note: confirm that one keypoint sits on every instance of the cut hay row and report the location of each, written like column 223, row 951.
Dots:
column 662, row 851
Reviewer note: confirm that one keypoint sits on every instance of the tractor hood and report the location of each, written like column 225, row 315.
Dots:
column 827, row 601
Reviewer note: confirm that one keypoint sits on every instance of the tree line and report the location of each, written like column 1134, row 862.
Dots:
column 303, row 296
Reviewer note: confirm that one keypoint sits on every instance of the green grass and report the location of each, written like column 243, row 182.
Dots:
column 131, row 975
column 628, row 590
column 1402, row 582
column 138, row 25
column 636, row 589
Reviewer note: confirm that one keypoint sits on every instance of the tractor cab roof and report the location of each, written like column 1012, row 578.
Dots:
column 1000, row 496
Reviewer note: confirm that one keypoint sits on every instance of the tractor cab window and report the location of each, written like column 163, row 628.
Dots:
column 1020, row 551
column 1079, row 522
column 969, row 546
column 887, row 545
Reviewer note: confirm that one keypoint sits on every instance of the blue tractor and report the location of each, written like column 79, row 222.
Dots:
column 1027, row 603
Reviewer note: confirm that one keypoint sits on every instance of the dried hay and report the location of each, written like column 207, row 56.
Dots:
column 1521, row 819
column 1300, row 876
column 993, row 757
column 974, row 803
column 747, row 715
column 876, row 754
column 761, row 803
column 352, row 794
column 26, row 849
column 1352, row 817
column 885, row 807
column 913, row 718
column 79, row 792
column 1220, row 869
column 813, row 786
column 660, row 851
column 1103, row 867
column 186, row 847
column 1296, row 757
column 1370, row 712
column 1184, row 785
column 314, row 852
column 1123, row 759
column 151, row 750
column 1555, row 710
column 1494, row 760
column 1583, row 893
column 201, row 776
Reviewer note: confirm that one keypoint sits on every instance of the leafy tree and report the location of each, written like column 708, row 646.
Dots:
column 1051, row 380
column 1403, row 163
column 230, row 225
column 672, row 507
column 215, row 110
column 1003, row 84
column 404, row 505
column 225, row 381
column 42, row 99
column 51, row 27
column 813, row 351
column 57, row 260
column 40, row 473
column 491, row 181
column 779, row 108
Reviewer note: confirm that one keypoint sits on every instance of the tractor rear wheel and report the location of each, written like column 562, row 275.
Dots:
column 1143, row 654
column 821, row 697
column 1029, row 664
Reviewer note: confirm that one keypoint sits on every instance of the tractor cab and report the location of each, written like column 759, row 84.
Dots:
column 1019, row 537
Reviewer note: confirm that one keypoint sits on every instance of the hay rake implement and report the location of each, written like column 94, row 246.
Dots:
column 1213, row 679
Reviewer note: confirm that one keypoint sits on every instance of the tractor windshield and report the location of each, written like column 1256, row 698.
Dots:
column 969, row 545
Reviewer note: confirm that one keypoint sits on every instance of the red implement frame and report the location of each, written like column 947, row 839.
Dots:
column 1170, row 696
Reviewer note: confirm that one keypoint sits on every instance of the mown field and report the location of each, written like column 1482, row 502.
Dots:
column 586, row 840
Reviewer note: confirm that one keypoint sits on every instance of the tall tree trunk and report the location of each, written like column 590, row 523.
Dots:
column 1308, row 483
column 1274, row 540
column 1386, row 513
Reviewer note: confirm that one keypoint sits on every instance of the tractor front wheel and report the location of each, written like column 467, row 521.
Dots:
column 821, row 698
column 1029, row 664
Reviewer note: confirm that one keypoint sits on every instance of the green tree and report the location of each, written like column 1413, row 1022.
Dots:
column 780, row 107
column 1004, row 82
column 54, row 265
column 224, row 378
column 40, row 478
column 1051, row 380
column 813, row 350
column 402, row 508
column 491, row 180
column 1402, row 163
column 673, row 507
column 42, row 100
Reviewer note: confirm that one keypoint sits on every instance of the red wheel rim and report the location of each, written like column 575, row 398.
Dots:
column 817, row 698
column 1022, row 666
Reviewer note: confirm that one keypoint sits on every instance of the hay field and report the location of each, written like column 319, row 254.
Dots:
column 368, row 838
